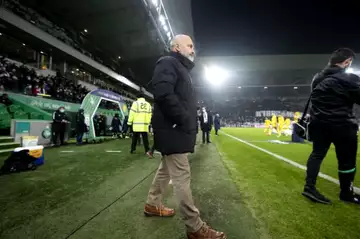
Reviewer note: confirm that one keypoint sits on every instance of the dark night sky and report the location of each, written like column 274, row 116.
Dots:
column 238, row 27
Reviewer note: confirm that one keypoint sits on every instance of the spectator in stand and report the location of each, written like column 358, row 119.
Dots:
column 4, row 99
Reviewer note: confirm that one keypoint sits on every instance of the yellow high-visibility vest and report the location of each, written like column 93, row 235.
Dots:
column 140, row 115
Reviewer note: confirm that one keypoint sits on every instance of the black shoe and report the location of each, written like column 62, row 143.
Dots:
column 132, row 151
column 315, row 196
column 350, row 197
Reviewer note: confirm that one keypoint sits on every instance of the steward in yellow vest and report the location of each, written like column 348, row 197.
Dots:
column 139, row 120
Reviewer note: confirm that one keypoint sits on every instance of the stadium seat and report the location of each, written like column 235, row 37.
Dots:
column 14, row 108
column 3, row 109
column 20, row 115
column 37, row 116
column 5, row 119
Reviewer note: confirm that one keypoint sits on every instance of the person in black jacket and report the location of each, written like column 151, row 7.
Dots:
column 174, row 124
column 334, row 92
column 60, row 121
column 217, row 124
column 81, row 127
column 115, row 125
column 206, row 123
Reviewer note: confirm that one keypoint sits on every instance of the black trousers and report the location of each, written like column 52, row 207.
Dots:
column 58, row 131
column 345, row 140
column 206, row 136
column 135, row 138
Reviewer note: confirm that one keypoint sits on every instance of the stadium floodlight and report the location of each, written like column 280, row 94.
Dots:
column 216, row 75
column 295, row 87
column 166, row 28
column 162, row 19
column 239, row 87
column 0, row 34
column 265, row 87
column 85, row 30
column 119, row 57
column 169, row 34
column 23, row 44
column 350, row 70
column 155, row 2
column 41, row 52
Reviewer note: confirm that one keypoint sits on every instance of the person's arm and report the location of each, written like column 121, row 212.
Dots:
column 132, row 113
column 164, row 81
column 354, row 89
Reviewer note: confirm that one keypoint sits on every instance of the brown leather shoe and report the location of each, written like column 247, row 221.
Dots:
column 160, row 211
column 206, row 232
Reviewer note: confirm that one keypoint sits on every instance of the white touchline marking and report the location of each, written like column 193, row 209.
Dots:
column 67, row 151
column 321, row 175
column 112, row 151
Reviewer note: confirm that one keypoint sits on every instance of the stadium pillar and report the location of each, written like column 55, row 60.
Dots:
column 50, row 62
column 63, row 67
column 38, row 58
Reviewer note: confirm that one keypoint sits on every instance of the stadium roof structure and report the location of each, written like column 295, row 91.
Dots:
column 128, row 35
column 263, row 70
column 254, row 78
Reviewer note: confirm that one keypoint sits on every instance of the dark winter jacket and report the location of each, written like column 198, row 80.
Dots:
column 115, row 124
column 174, row 118
column 208, row 125
column 333, row 96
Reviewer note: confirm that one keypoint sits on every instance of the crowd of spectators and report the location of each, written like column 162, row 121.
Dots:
column 70, row 38
column 21, row 79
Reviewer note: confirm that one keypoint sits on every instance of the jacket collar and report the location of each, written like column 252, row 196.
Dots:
column 333, row 69
column 185, row 61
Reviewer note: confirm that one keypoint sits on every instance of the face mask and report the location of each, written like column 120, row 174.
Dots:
column 62, row 110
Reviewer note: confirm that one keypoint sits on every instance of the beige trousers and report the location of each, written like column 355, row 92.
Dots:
column 176, row 167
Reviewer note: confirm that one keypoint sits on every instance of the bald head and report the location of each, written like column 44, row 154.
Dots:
column 184, row 45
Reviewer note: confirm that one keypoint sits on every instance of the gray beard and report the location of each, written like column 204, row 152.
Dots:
column 191, row 58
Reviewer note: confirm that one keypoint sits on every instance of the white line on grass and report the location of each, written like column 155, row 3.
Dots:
column 324, row 176
column 67, row 151
column 112, row 151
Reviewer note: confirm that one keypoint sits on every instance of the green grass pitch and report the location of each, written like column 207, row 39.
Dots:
column 238, row 189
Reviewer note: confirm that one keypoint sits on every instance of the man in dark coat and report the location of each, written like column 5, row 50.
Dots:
column 81, row 127
column 206, row 122
column 115, row 125
column 332, row 120
column 60, row 121
column 174, row 124
column 217, row 124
